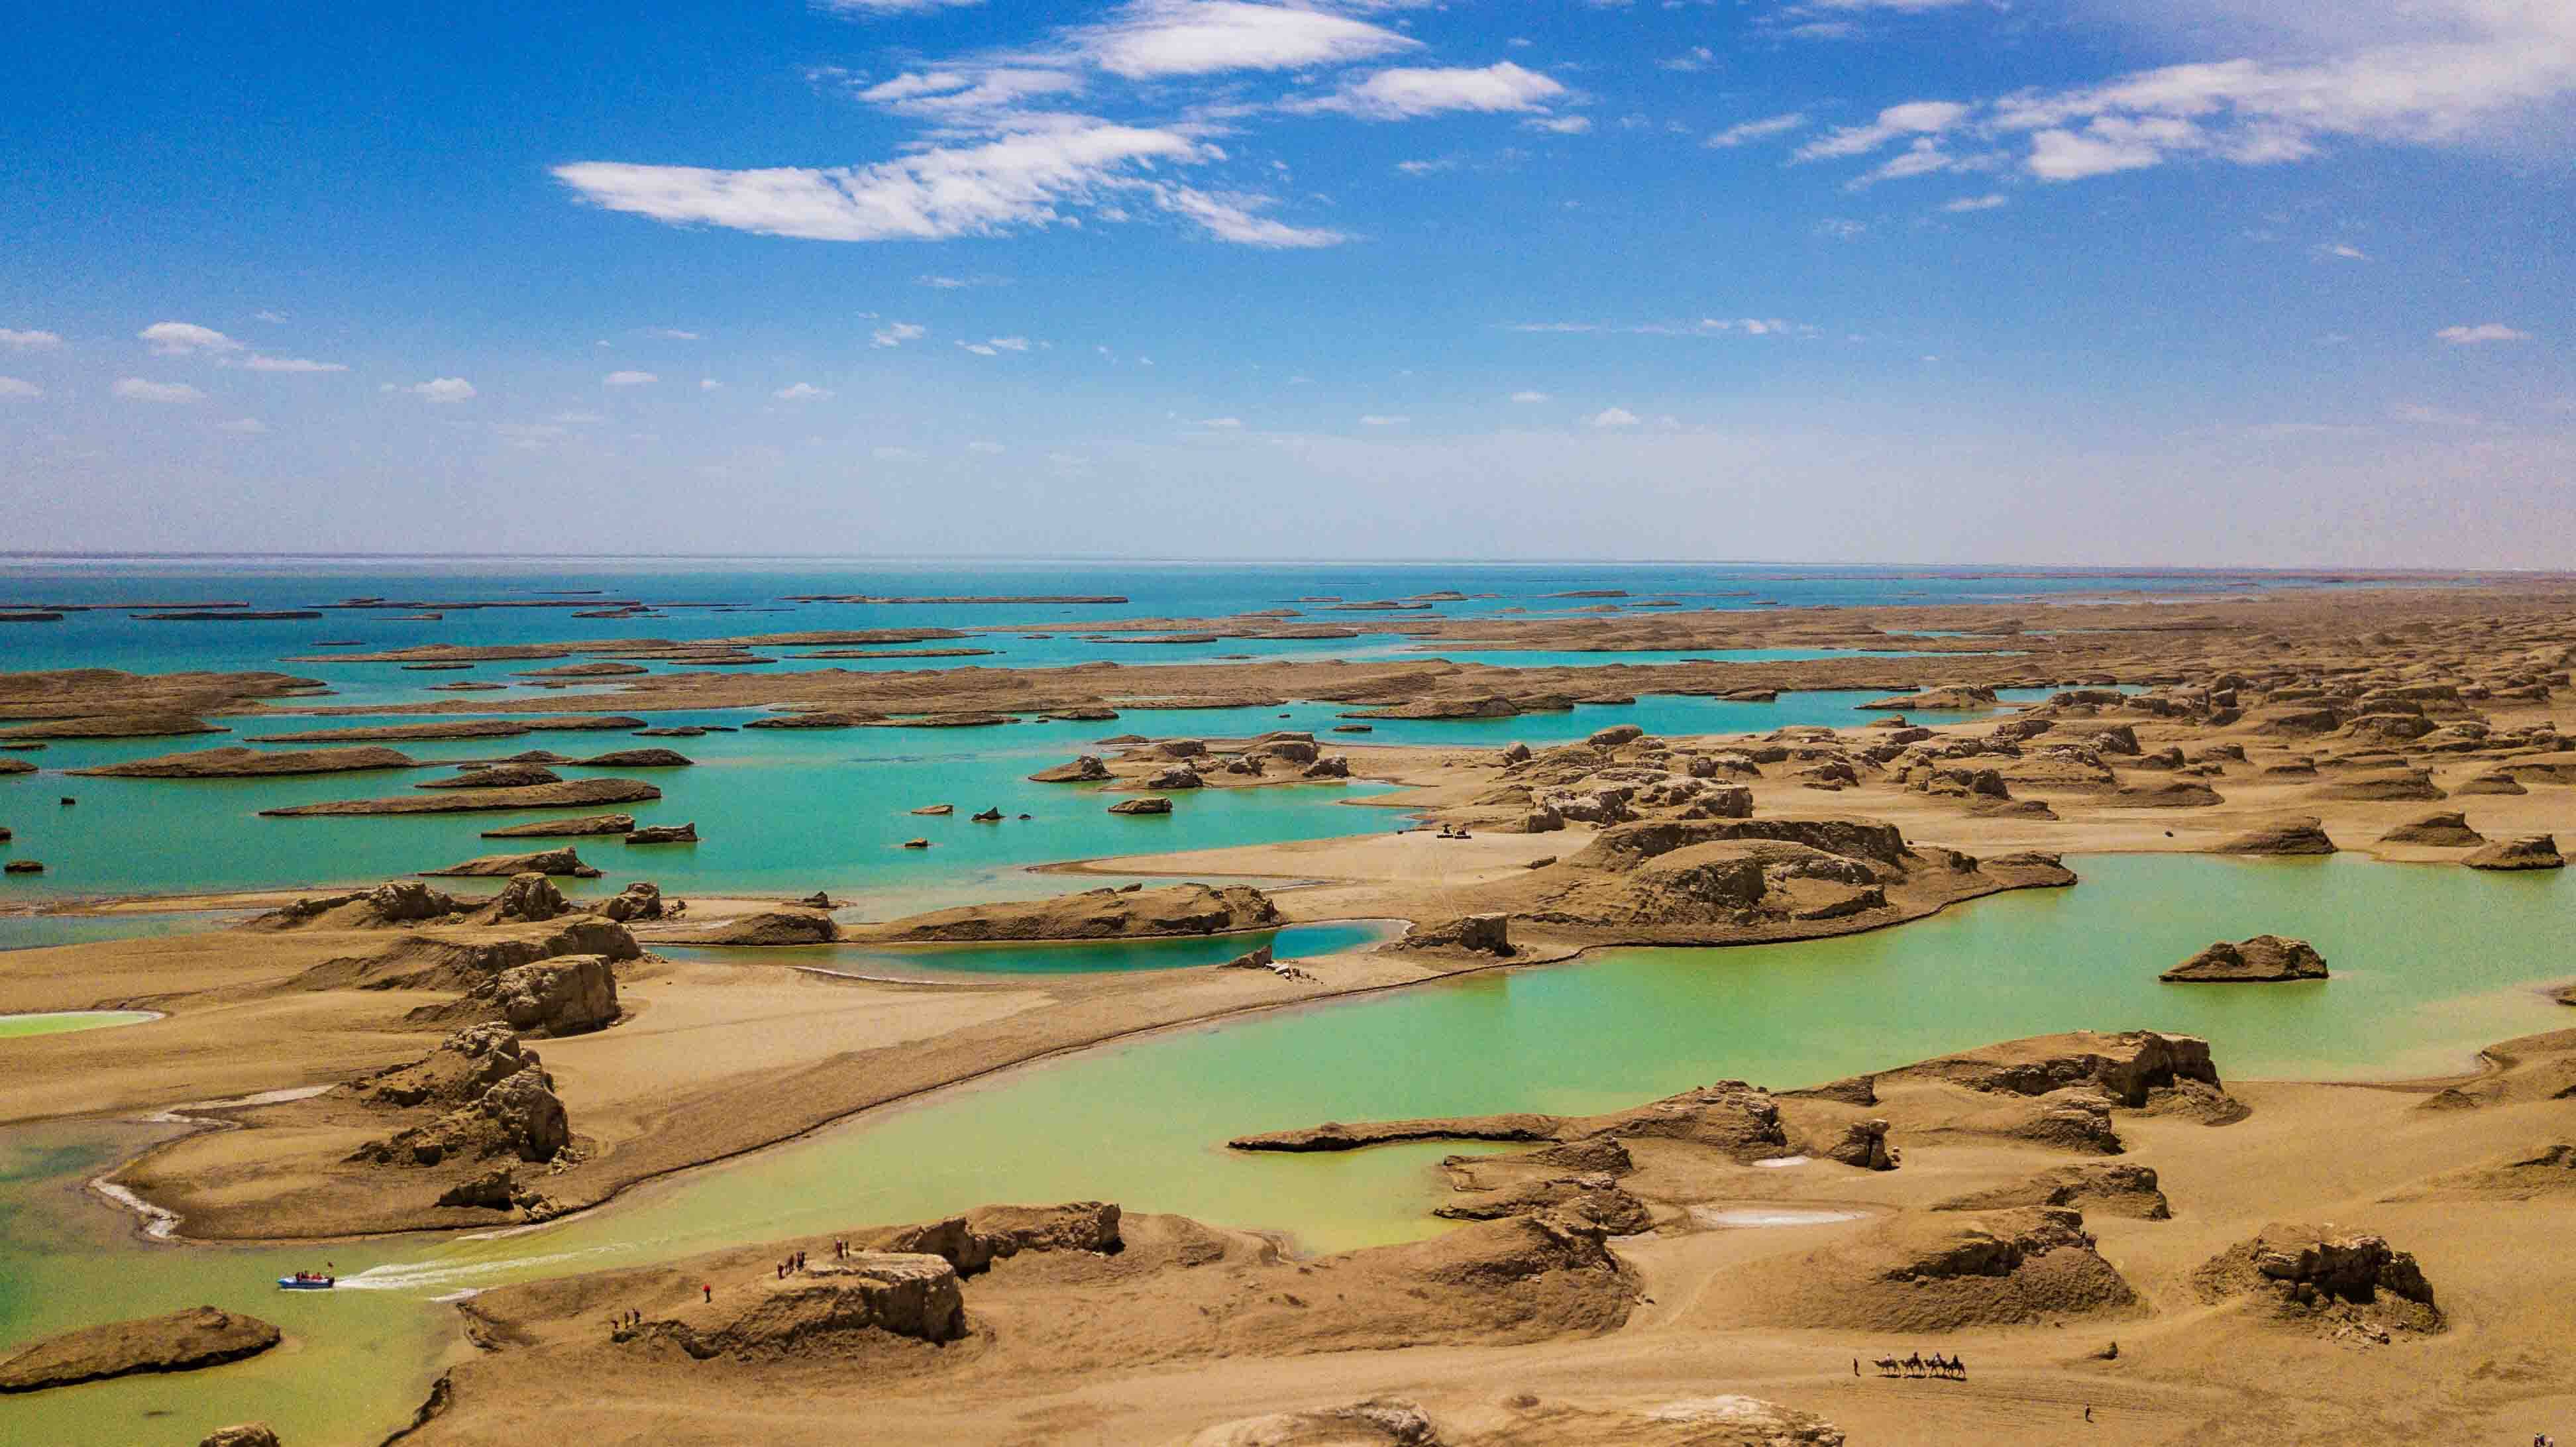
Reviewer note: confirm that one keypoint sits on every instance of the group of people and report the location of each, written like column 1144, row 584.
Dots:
column 792, row 1263
column 325, row 1277
column 1918, row 1365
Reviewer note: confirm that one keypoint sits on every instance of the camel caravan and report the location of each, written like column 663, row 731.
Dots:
column 1936, row 1365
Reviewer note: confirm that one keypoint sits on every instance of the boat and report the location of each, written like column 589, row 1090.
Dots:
column 307, row 1283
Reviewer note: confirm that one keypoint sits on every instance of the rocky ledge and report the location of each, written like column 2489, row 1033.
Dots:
column 2261, row 960
column 1099, row 914
column 183, row 1341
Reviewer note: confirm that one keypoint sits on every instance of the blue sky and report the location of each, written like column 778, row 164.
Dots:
column 2234, row 281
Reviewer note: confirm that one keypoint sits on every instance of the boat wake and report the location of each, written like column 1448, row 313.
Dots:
column 466, row 1276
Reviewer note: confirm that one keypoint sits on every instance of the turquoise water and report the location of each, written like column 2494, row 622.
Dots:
column 1296, row 942
column 2430, row 963
column 777, row 810
column 43, row 931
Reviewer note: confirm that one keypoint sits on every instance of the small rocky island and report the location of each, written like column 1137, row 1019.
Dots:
column 2264, row 959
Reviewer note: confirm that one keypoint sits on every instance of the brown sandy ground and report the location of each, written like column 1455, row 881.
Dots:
column 1513, row 1331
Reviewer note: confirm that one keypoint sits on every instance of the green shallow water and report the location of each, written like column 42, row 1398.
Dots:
column 2430, row 963
column 780, row 811
column 65, row 1021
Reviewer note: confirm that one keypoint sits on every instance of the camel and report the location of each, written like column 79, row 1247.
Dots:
column 1914, row 1365
column 1887, row 1366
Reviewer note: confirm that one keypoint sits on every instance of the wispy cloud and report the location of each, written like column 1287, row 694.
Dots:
column 28, row 341
column 2462, row 336
column 289, row 364
column 1374, row 419
column 243, row 427
column 895, row 334
column 1987, row 202
column 1230, row 217
column 186, row 339
column 1703, row 327
column 1747, row 132
column 1152, row 38
column 441, row 390
column 136, row 389
column 629, row 379
column 19, row 387
column 801, row 392
column 1408, row 93
column 1529, row 396
column 1613, row 417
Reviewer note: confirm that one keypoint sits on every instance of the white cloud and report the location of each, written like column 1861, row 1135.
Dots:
column 243, row 426
column 1529, row 396
column 1230, row 218
column 442, row 389
column 1922, row 117
column 273, row 318
column 185, row 339
column 1151, row 38
column 2342, row 251
column 967, row 96
column 1425, row 168
column 989, row 449
column 861, row 9
column 1987, row 202
column 1924, row 157
column 895, row 334
column 674, row 334
column 290, row 364
column 135, row 389
column 802, row 392
column 1841, row 228
column 1703, row 327
column 1024, row 179
column 995, row 346
column 1223, row 424
column 2067, row 156
column 1697, row 58
column 1763, row 129
column 19, row 387
column 2437, row 72
column 28, row 341
column 1613, row 417
column 629, row 379
column 1376, row 420
column 2482, row 332
column 959, row 283
column 1558, row 125
column 1403, row 94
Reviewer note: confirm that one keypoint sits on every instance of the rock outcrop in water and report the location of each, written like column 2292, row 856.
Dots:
column 237, row 761
column 2262, row 959
column 570, row 794
column 1087, row 769
column 2446, row 829
column 566, row 862
column 2535, row 851
column 1098, row 914
column 564, row 828
column 182, row 1341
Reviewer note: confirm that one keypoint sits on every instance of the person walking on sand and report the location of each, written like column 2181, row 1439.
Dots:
column 2088, row 1412
column 709, row 1290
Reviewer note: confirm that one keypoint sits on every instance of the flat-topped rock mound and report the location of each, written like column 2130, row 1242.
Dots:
column 508, row 774
column 1741, row 1120
column 1941, row 1272
column 2115, row 1188
column 569, row 794
column 582, row 827
column 2534, row 851
column 782, row 926
column 2296, row 834
column 112, row 726
column 238, row 761
column 2128, row 1067
column 2261, row 960
column 2324, row 1277
column 1099, row 914
column 565, row 862
column 2442, row 829
column 461, row 728
column 824, row 1304
column 182, row 1341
